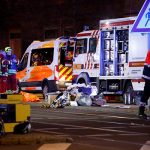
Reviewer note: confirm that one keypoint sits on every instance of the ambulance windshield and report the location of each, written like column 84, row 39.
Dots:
column 42, row 56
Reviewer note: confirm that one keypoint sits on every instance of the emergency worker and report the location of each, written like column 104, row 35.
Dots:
column 146, row 93
column 2, row 56
column 12, row 69
column 3, row 71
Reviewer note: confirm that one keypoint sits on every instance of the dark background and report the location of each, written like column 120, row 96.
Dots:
column 23, row 21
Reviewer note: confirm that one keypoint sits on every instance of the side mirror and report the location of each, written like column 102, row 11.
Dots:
column 20, row 67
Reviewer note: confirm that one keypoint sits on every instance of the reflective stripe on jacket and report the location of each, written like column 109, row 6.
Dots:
column 146, row 70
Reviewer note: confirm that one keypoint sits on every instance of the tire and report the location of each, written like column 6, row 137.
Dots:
column 45, row 89
column 128, row 96
column 81, row 81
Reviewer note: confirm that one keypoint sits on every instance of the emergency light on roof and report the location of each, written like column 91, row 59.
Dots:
column 64, row 37
column 73, row 38
column 107, row 23
column 86, row 28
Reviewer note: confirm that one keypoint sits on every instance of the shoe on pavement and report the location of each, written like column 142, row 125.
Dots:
column 143, row 116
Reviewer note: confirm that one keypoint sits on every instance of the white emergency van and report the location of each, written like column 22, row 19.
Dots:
column 46, row 66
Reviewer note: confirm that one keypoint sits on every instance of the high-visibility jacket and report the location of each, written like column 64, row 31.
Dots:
column 12, row 67
column 146, row 70
column 3, row 64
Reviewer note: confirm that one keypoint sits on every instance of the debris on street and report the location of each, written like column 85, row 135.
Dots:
column 28, row 97
column 77, row 95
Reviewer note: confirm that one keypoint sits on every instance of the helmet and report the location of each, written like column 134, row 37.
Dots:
column 8, row 49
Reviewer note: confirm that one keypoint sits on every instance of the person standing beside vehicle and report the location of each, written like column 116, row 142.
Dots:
column 3, row 72
column 146, row 92
column 12, row 69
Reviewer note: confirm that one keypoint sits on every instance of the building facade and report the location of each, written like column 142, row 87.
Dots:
column 23, row 21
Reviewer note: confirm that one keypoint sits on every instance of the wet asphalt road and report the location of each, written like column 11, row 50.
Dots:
column 95, row 128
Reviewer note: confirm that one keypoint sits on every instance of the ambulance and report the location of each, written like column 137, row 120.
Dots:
column 115, row 64
column 86, row 57
column 46, row 66
column 122, row 57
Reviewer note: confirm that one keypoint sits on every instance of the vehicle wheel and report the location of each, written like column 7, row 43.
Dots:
column 81, row 81
column 45, row 89
column 128, row 96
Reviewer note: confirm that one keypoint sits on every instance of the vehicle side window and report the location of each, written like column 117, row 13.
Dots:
column 42, row 56
column 92, row 45
column 62, row 56
column 23, row 64
column 66, row 55
column 81, row 46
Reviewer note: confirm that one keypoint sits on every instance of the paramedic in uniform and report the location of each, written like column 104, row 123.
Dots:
column 12, row 69
column 146, row 93
column 3, row 71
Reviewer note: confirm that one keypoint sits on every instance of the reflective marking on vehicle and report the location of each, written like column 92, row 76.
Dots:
column 21, row 74
column 136, row 64
column 65, row 73
column 39, row 73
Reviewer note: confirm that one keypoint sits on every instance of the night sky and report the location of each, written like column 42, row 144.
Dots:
column 31, row 18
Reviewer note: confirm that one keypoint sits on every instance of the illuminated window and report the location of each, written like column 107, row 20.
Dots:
column 43, row 56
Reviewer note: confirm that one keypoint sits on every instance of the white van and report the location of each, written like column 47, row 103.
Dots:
column 46, row 66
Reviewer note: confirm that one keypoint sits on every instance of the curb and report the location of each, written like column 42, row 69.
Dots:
column 32, row 138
